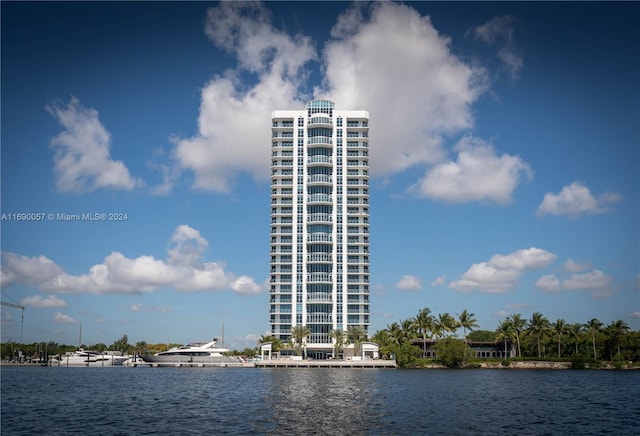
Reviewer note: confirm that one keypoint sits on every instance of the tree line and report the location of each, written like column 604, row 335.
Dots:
column 37, row 350
column 406, row 340
column 536, row 337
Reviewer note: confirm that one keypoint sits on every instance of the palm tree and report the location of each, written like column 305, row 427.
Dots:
column 616, row 330
column 438, row 328
column 558, row 329
column 423, row 323
column 140, row 347
column 575, row 330
column 446, row 323
column 397, row 335
column 409, row 329
column 505, row 332
column 383, row 338
column 466, row 320
column 276, row 343
column 298, row 335
column 538, row 327
column 355, row 334
column 339, row 338
column 594, row 326
column 518, row 324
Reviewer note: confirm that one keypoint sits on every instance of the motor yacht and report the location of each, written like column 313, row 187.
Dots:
column 194, row 353
column 83, row 357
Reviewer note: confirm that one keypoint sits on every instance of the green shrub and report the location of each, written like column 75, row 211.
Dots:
column 618, row 363
column 577, row 362
column 453, row 353
column 505, row 362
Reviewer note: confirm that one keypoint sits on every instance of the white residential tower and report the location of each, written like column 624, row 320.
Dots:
column 319, row 222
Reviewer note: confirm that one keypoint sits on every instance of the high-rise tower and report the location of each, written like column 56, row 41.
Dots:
column 319, row 222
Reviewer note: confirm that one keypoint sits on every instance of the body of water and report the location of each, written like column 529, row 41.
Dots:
column 137, row 401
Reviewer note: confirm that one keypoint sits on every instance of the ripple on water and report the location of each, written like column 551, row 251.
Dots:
column 69, row 401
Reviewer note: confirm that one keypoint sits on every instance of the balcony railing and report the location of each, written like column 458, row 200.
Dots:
column 320, row 140
column 319, row 217
column 319, row 277
column 319, row 318
column 319, row 237
column 321, row 159
column 319, row 178
column 322, row 198
column 323, row 257
column 319, row 297
column 319, row 120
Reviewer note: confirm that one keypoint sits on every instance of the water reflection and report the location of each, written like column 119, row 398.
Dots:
column 320, row 401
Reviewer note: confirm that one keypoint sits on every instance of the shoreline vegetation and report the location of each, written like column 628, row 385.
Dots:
column 430, row 341
column 434, row 341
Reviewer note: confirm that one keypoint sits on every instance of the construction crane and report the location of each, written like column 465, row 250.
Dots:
column 17, row 306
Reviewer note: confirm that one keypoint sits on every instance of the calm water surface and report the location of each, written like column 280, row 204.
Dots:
column 70, row 401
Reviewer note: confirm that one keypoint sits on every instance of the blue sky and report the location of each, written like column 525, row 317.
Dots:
column 504, row 159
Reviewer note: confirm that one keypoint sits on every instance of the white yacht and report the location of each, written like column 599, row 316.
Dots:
column 83, row 357
column 195, row 353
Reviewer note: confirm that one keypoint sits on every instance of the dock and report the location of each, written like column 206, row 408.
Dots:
column 197, row 365
column 290, row 363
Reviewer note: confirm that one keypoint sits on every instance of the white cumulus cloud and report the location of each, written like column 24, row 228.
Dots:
column 185, row 269
column 139, row 307
column 82, row 160
column 40, row 301
column 595, row 280
column 478, row 174
column 575, row 200
column 390, row 60
column 234, row 116
column 32, row 271
column 409, row 283
column 592, row 280
column 573, row 266
column 61, row 318
column 383, row 57
column 501, row 273
column 439, row 281
column 548, row 282
column 245, row 285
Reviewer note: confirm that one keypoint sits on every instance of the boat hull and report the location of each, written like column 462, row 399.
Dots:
column 188, row 360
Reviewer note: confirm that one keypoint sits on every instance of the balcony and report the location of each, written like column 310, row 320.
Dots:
column 320, row 140
column 319, row 218
column 319, row 198
column 319, row 278
column 319, row 318
column 357, row 144
column 319, row 178
column 359, row 135
column 320, row 159
column 319, row 298
column 319, row 237
column 320, row 122
column 286, row 124
column 280, row 135
column 320, row 258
